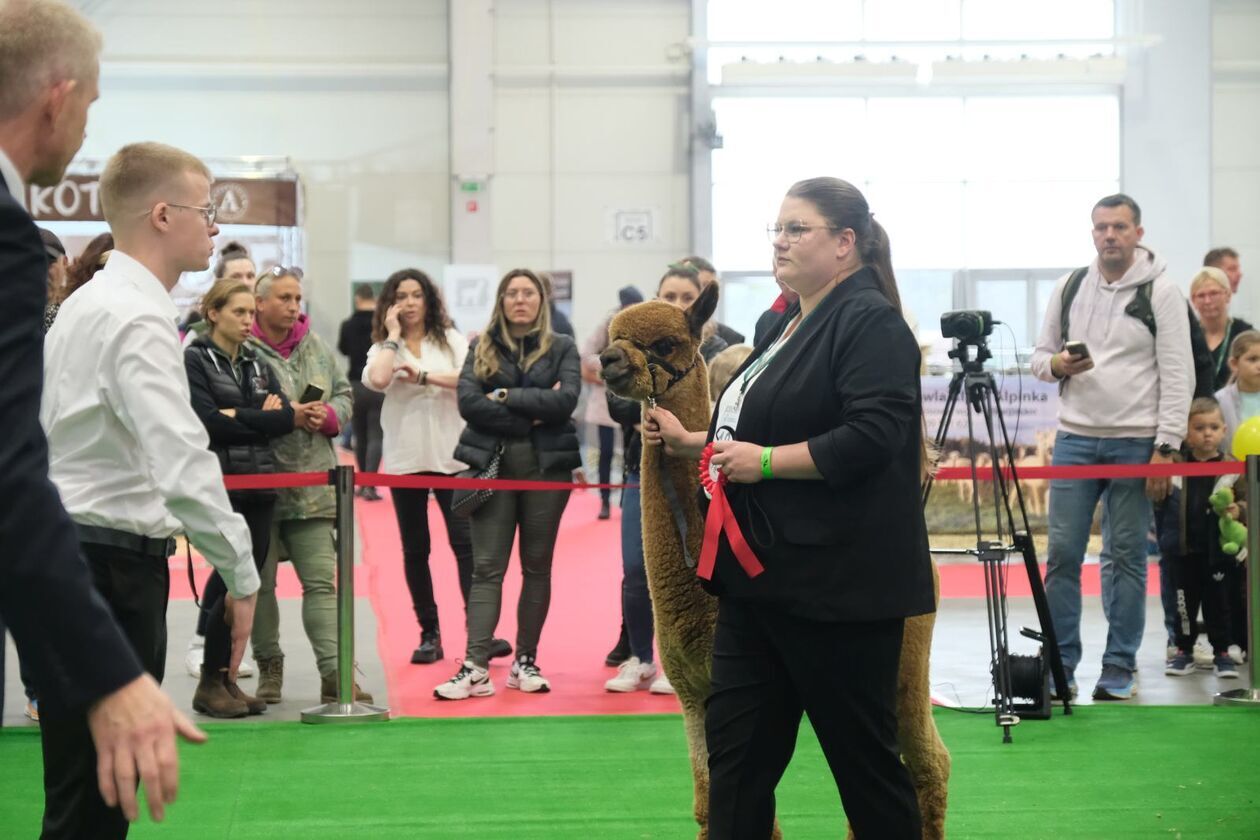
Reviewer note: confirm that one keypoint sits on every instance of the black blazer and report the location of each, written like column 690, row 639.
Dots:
column 63, row 629
column 853, row 546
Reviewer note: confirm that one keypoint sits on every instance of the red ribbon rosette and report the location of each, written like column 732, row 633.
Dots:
column 721, row 519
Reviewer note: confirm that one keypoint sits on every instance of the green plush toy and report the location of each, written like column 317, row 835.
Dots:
column 1233, row 532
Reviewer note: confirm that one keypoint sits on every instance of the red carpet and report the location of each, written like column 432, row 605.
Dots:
column 582, row 625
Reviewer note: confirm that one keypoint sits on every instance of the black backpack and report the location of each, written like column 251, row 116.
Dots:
column 1140, row 308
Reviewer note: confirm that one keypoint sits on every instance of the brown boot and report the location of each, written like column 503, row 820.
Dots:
column 270, row 679
column 328, row 691
column 213, row 698
column 255, row 705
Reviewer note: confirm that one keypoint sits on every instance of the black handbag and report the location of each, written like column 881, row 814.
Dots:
column 465, row 501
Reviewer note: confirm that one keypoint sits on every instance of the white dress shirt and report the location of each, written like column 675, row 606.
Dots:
column 12, row 179
column 125, row 449
column 421, row 424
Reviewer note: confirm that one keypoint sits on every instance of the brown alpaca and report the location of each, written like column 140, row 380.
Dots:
column 654, row 356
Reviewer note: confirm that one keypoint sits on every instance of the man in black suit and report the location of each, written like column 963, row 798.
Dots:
column 49, row 59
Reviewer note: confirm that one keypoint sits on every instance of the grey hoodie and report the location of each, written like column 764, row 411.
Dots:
column 1141, row 385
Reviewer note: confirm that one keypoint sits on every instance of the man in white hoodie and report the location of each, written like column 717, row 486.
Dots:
column 1125, row 397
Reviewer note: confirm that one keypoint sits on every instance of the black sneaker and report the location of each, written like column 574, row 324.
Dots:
column 499, row 648
column 604, row 510
column 620, row 652
column 430, row 649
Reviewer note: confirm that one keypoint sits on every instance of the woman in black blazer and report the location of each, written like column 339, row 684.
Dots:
column 238, row 399
column 819, row 437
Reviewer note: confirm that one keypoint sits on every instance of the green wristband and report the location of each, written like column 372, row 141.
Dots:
column 766, row 471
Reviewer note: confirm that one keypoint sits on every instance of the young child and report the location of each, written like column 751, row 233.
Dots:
column 1240, row 401
column 1191, row 538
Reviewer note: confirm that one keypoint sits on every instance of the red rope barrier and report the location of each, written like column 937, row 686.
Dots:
column 1096, row 471
column 442, row 482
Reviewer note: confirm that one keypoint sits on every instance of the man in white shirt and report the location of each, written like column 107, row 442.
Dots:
column 77, row 654
column 126, row 451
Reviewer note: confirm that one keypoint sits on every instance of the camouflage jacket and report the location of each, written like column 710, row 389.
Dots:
column 312, row 362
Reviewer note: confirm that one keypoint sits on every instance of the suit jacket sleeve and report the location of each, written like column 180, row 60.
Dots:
column 64, row 631
column 876, row 381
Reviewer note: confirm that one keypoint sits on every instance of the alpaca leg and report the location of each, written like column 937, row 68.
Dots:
column 922, row 750
column 693, row 721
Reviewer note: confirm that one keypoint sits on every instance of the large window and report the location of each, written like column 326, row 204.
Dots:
column 985, row 195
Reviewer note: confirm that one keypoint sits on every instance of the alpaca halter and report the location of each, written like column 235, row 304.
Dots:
column 654, row 363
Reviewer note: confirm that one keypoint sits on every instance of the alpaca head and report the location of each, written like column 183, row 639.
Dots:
column 653, row 345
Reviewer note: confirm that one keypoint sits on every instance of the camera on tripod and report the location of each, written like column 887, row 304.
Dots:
column 967, row 325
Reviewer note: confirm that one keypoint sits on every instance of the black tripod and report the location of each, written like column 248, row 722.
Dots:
column 1013, row 676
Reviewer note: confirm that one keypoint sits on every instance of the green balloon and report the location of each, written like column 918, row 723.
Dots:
column 1247, row 439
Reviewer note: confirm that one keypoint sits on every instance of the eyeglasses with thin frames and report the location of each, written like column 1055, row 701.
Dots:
column 208, row 213
column 793, row 231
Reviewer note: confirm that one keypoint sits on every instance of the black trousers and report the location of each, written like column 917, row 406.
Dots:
column 768, row 669
column 136, row 587
column 1195, row 583
column 607, row 448
column 365, row 421
column 257, row 509
column 411, row 508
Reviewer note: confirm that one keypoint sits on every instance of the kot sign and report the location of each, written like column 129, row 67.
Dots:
column 245, row 201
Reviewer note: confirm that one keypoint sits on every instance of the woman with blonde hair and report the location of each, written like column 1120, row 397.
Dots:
column 517, row 392
column 1210, row 295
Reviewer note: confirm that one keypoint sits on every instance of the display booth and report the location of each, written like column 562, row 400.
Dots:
column 258, row 201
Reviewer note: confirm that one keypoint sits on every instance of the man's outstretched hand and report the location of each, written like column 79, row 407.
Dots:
column 134, row 731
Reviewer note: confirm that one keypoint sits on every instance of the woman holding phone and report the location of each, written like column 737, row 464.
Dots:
column 239, row 401
column 415, row 363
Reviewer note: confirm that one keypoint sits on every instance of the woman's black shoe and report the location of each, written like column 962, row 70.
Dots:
column 621, row 652
column 499, row 648
column 430, row 649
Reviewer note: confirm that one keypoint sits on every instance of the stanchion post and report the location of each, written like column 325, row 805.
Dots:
column 345, row 710
column 1250, row 696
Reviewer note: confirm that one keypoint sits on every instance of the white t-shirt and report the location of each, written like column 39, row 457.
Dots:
column 421, row 423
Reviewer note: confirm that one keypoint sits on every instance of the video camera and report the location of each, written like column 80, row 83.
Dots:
column 967, row 325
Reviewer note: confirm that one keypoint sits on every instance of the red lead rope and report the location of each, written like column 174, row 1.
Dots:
column 722, row 519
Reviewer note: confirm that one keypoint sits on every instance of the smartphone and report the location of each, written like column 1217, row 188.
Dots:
column 313, row 393
column 1077, row 349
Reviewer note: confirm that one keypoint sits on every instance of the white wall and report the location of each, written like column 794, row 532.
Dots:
column 604, row 131
column 357, row 101
column 1236, row 141
column 1166, row 128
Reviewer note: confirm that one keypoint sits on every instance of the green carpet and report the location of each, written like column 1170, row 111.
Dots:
column 1104, row 772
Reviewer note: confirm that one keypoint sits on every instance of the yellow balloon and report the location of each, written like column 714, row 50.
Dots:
column 1247, row 439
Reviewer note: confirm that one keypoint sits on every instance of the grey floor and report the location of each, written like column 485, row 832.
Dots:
column 960, row 659
column 301, row 679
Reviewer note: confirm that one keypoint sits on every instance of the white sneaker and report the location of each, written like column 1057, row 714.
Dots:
column 631, row 676
column 1203, row 655
column 661, row 685
column 526, row 677
column 194, row 656
column 469, row 681
column 1236, row 654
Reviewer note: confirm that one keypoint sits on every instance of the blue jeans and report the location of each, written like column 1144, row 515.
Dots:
column 636, row 602
column 1127, row 517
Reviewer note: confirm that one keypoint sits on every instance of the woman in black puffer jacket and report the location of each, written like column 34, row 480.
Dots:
column 238, row 398
column 517, row 392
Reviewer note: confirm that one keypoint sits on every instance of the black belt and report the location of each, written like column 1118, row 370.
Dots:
column 147, row 546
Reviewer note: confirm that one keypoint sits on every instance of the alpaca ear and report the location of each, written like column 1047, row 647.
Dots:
column 699, row 313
